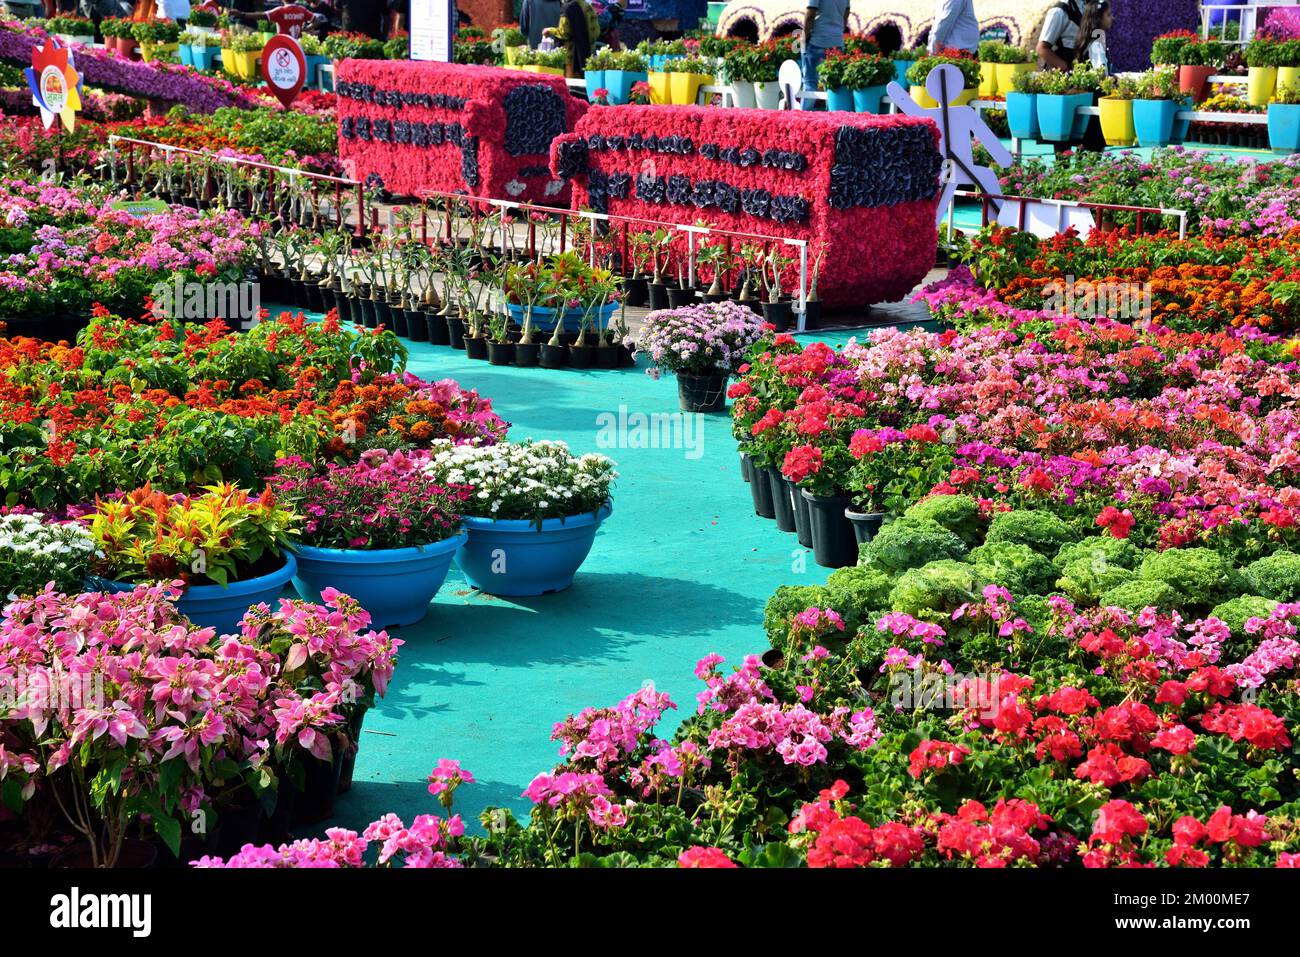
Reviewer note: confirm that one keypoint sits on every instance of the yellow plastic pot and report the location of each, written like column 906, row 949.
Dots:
column 1006, row 74
column 513, row 52
column 988, row 79
column 1288, row 76
column 552, row 70
column 660, row 86
column 228, row 61
column 1260, row 83
column 684, row 88
column 1117, row 121
column 925, row 100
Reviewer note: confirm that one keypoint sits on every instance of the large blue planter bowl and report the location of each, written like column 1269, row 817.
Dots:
column 212, row 606
column 394, row 584
column 544, row 318
column 1153, row 121
column 1022, row 115
column 514, row 557
column 1284, row 127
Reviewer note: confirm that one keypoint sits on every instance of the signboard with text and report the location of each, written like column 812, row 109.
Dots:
column 431, row 33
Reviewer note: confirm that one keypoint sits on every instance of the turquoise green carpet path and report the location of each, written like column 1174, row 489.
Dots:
column 682, row 567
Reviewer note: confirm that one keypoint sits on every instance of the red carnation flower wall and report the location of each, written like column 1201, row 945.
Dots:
column 425, row 96
column 873, row 253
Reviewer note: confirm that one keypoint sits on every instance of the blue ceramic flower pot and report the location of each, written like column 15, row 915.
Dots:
column 1057, row 115
column 900, row 71
column 514, row 558
column 1153, row 121
column 595, row 81
column 620, row 83
column 1284, row 127
column 838, row 98
column 869, row 100
column 222, row 608
column 1022, row 115
column 394, row 584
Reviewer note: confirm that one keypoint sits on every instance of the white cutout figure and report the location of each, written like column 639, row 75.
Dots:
column 959, row 127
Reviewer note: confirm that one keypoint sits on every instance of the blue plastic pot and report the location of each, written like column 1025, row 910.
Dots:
column 1081, row 120
column 1057, row 114
column 900, row 71
column 185, row 53
column 595, row 81
column 839, row 99
column 394, row 584
column 1181, row 127
column 1284, row 127
column 544, row 317
column 314, row 62
column 508, row 557
column 620, row 83
column 1153, row 121
column 222, row 608
column 1022, row 115
column 869, row 100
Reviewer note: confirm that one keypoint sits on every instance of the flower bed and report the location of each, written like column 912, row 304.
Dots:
column 863, row 187
column 453, row 128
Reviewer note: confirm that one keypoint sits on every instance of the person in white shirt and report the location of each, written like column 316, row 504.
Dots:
column 955, row 27
column 1058, row 40
column 178, row 10
column 1090, row 44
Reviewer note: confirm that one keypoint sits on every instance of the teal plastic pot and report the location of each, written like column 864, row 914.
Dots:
column 185, row 53
column 314, row 62
column 394, row 584
column 869, row 100
column 1153, row 121
column 205, row 58
column 1057, row 115
column 1284, row 127
column 620, row 83
column 838, row 98
column 1081, row 120
column 1181, row 127
column 1022, row 115
column 515, row 557
column 595, row 81
column 900, row 71
column 222, row 608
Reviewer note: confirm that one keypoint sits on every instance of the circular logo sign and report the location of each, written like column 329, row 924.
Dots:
column 54, row 89
column 284, row 67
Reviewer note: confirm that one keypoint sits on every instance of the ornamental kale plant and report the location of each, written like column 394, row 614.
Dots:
column 708, row 339
column 532, row 481
column 386, row 500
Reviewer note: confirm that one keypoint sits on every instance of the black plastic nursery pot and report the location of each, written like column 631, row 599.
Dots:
column 500, row 353
column 782, row 503
column 833, row 542
column 678, row 297
column 315, row 802
column 527, row 354
column 397, row 316
column 476, row 347
column 580, row 356
column 702, row 393
column 553, row 357
column 363, row 311
column 779, row 314
column 658, row 295
column 436, row 331
column 865, row 524
column 760, row 491
column 812, row 314
column 455, row 332
column 383, row 315
column 343, row 305
column 418, row 327
column 607, row 357
column 746, row 468
column 315, row 301
column 802, row 516
column 635, row 292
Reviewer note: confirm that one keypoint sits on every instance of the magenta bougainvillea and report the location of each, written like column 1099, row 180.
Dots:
column 860, row 188
column 420, row 127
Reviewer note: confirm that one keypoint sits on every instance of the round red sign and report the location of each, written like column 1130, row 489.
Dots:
column 284, row 67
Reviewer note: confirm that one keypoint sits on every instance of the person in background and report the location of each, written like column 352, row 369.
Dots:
column 1058, row 41
column 576, row 33
column 538, row 16
column 955, row 27
column 824, row 23
column 1090, row 44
